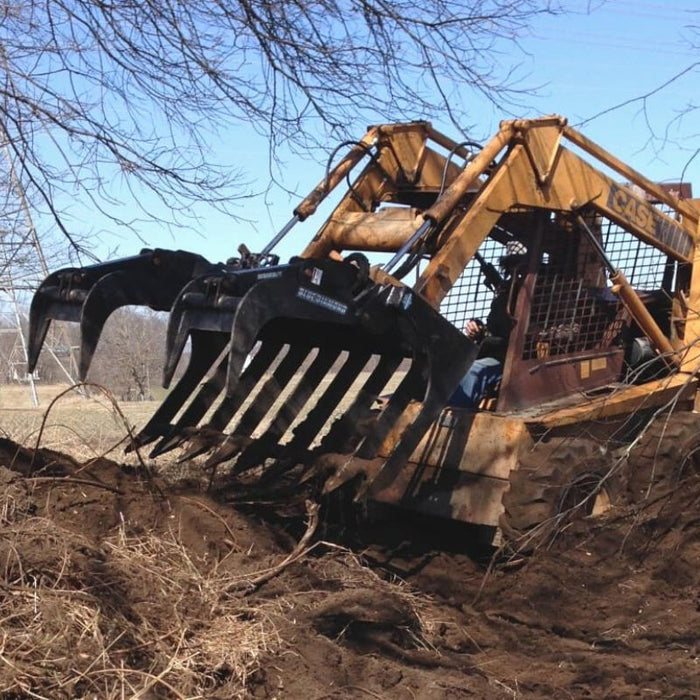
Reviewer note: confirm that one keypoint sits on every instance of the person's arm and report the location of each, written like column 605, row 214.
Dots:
column 474, row 330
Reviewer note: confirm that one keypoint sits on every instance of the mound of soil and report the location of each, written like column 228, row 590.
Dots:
column 112, row 584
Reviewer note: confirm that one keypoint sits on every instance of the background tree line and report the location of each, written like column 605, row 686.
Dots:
column 128, row 361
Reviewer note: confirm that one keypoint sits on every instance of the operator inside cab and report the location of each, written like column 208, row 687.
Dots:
column 486, row 372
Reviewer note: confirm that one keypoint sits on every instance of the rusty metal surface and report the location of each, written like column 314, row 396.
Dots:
column 532, row 381
column 382, row 231
column 446, row 493
column 482, row 443
column 619, row 401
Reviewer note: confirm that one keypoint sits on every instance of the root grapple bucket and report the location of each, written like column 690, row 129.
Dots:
column 293, row 359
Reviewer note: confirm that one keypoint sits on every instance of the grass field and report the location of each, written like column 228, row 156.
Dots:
column 75, row 424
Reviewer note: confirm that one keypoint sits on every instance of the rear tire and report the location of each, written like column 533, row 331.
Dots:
column 667, row 453
column 554, row 483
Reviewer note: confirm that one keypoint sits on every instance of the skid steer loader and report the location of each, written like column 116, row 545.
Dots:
column 287, row 362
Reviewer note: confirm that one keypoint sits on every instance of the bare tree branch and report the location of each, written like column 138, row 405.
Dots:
column 106, row 101
column 642, row 99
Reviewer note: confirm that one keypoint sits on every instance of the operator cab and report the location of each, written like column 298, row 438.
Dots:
column 570, row 333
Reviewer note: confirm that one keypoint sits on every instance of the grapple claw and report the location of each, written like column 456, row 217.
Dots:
column 88, row 295
column 199, row 441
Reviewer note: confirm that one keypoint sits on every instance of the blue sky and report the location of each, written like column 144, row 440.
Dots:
column 596, row 57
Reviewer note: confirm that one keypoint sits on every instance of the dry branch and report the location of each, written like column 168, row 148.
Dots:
column 301, row 550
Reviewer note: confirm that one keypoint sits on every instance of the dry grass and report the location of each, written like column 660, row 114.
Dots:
column 76, row 425
column 141, row 613
column 135, row 617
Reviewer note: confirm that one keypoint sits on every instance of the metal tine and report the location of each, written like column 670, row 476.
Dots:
column 46, row 306
column 176, row 334
column 260, row 406
column 319, row 415
column 293, row 405
column 211, row 434
column 200, row 404
column 334, row 394
column 412, row 386
column 206, row 348
column 342, row 432
column 208, row 317
column 108, row 294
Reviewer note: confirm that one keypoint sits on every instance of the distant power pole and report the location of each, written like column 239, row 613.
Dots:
column 22, row 268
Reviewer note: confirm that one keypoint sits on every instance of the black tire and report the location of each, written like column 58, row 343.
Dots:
column 555, row 482
column 666, row 454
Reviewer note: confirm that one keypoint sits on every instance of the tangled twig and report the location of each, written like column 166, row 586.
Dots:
column 115, row 405
column 301, row 550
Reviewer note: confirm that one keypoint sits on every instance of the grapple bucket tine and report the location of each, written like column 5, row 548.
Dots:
column 210, row 435
column 307, row 430
column 176, row 339
column 246, row 329
column 206, row 303
column 176, row 335
column 272, row 388
column 261, row 361
column 199, row 441
column 345, row 428
column 261, row 404
column 109, row 293
column 53, row 300
column 206, row 347
column 288, row 412
column 200, row 404
column 38, row 328
column 208, row 393
column 317, row 417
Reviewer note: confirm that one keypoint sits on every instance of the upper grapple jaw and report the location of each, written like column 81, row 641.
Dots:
column 88, row 295
column 319, row 333
column 60, row 296
column 206, row 303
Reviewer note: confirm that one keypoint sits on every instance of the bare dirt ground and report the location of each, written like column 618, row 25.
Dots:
column 116, row 581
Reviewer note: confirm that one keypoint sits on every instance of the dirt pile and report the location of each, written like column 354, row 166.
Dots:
column 113, row 585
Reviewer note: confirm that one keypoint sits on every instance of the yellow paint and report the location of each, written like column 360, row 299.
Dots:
column 599, row 363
